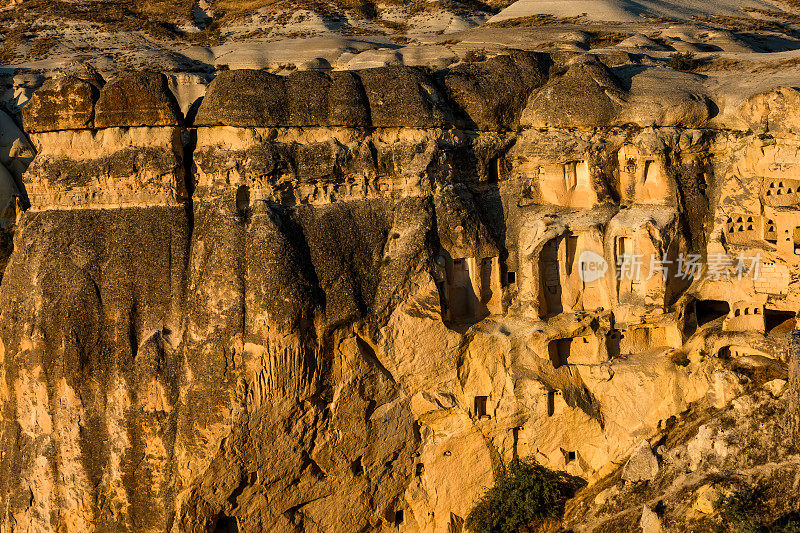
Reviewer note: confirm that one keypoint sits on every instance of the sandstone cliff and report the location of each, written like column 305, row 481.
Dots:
column 339, row 301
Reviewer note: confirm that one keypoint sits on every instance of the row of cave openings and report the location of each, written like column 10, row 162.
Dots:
column 777, row 188
column 702, row 312
column 751, row 226
column 470, row 290
column 480, row 412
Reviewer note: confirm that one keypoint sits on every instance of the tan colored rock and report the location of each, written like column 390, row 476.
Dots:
column 773, row 111
column 724, row 388
column 61, row 104
column 101, row 175
column 776, row 387
column 404, row 97
column 587, row 95
column 704, row 499
column 706, row 445
column 642, row 465
column 137, row 99
column 365, row 310
column 650, row 523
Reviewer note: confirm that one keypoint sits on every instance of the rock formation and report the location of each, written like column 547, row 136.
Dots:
column 341, row 301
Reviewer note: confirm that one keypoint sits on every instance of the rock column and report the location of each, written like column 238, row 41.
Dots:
column 793, row 411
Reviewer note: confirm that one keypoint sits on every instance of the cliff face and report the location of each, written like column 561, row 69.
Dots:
column 340, row 301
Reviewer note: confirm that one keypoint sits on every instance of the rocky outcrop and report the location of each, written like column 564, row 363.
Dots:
column 65, row 103
column 340, row 301
column 772, row 112
column 587, row 94
column 124, row 150
column 492, row 93
column 486, row 96
column 137, row 99
column 705, row 454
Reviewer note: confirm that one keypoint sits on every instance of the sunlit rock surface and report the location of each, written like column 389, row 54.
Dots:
column 341, row 301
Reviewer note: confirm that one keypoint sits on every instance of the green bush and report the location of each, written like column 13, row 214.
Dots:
column 526, row 495
column 684, row 61
column 742, row 509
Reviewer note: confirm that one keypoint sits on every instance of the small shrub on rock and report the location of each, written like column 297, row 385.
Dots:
column 527, row 495
column 685, row 61
column 742, row 509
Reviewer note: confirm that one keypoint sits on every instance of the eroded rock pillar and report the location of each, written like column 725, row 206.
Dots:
column 793, row 412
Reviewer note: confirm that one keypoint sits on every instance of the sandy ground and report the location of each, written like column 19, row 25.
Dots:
column 437, row 36
column 628, row 10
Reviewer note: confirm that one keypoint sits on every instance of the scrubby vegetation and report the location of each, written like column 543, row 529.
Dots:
column 603, row 39
column 11, row 40
column 685, row 61
column 474, row 56
column 744, row 511
column 527, row 495
column 741, row 510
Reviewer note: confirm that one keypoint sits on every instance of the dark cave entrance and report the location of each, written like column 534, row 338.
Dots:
column 462, row 295
column 550, row 276
column 480, row 406
column 226, row 524
column 242, row 199
column 773, row 318
column 709, row 310
column 559, row 351
column 613, row 340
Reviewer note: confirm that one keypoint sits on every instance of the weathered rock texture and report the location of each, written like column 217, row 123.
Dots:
column 339, row 302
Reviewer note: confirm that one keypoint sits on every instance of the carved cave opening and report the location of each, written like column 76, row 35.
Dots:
column 613, row 340
column 774, row 319
column 480, row 406
column 242, row 199
column 559, row 350
column 551, row 402
column 550, row 303
column 462, row 296
column 706, row 311
column 226, row 524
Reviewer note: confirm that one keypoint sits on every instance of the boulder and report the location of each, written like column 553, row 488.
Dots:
column 492, row 93
column 587, row 95
column 244, row 98
column 725, row 387
column 137, row 99
column 662, row 97
column 650, row 522
column 774, row 111
column 403, row 97
column 704, row 499
column 317, row 98
column 65, row 103
column 776, row 387
column 642, row 465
